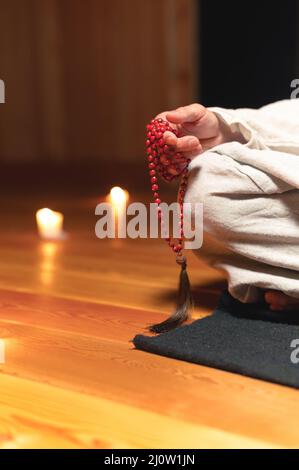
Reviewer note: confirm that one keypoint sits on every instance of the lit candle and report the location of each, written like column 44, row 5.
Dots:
column 2, row 351
column 118, row 198
column 49, row 224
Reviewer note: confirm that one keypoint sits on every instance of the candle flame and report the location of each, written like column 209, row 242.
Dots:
column 47, row 216
column 118, row 196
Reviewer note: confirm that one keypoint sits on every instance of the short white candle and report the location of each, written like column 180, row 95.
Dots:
column 118, row 198
column 49, row 224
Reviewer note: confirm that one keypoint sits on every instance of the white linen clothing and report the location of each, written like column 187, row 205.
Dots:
column 250, row 195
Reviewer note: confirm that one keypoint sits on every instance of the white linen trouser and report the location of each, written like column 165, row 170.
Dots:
column 251, row 233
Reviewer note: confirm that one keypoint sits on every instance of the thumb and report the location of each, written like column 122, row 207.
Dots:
column 191, row 114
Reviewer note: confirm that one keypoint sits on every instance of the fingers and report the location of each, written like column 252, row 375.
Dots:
column 170, row 138
column 187, row 143
column 162, row 116
column 192, row 113
column 193, row 153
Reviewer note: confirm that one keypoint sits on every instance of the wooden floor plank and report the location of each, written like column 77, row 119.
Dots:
column 72, row 377
column 42, row 416
column 77, row 316
column 116, row 278
column 105, row 364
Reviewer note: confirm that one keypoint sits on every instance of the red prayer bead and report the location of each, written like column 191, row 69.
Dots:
column 166, row 162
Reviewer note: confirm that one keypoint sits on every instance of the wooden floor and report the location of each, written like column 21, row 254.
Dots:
column 72, row 378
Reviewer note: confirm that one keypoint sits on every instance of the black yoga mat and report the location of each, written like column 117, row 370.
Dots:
column 247, row 339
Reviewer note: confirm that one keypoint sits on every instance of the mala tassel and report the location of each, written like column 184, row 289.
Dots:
column 184, row 302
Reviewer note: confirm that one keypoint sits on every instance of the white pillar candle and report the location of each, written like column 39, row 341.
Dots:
column 118, row 198
column 50, row 224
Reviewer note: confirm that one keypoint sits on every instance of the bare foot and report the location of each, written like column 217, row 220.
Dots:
column 280, row 301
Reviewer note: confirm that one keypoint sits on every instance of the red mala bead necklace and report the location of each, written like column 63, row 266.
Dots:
column 165, row 162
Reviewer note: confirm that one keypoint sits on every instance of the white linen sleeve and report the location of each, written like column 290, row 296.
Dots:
column 272, row 127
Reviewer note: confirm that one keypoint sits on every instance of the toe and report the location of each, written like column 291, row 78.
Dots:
column 280, row 301
column 272, row 297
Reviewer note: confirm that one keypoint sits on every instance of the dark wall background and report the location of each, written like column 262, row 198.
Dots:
column 249, row 51
column 83, row 77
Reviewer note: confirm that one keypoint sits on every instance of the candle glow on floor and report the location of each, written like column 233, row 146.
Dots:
column 2, row 351
column 49, row 252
